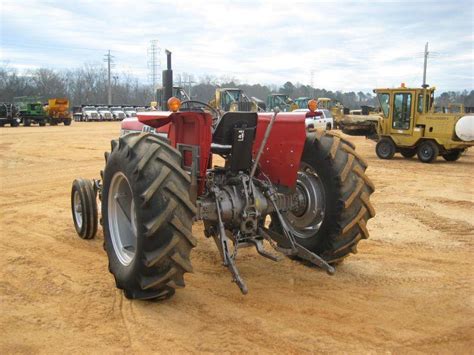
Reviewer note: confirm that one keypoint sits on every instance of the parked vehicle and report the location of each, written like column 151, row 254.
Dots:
column 104, row 113
column 306, row 193
column 409, row 125
column 9, row 115
column 58, row 111
column 130, row 112
column 282, row 101
column 322, row 121
column 117, row 113
column 30, row 110
column 90, row 113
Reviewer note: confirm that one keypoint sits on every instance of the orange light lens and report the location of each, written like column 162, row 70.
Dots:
column 174, row 104
column 312, row 105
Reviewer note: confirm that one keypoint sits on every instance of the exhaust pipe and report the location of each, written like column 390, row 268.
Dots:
column 167, row 82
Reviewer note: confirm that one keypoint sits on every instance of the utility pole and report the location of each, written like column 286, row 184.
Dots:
column 312, row 82
column 425, row 65
column 154, row 65
column 109, row 59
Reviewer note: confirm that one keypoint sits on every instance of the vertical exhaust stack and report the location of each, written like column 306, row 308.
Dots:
column 167, row 81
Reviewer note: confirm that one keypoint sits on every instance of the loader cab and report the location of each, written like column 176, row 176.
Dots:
column 178, row 92
column 232, row 100
column 402, row 108
column 282, row 101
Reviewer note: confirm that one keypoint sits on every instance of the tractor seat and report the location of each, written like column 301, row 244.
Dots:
column 224, row 132
column 233, row 139
column 221, row 149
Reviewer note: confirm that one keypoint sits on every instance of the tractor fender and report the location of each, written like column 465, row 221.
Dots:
column 281, row 156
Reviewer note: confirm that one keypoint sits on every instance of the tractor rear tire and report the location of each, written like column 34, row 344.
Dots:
column 27, row 122
column 147, row 216
column 67, row 122
column 84, row 208
column 385, row 149
column 427, row 151
column 347, row 190
column 408, row 152
column 42, row 123
column 453, row 155
column 14, row 123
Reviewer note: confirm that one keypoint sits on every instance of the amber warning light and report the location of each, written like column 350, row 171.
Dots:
column 174, row 104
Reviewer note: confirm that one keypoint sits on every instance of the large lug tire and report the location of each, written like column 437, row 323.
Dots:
column 385, row 149
column 408, row 152
column 341, row 219
column 14, row 123
column 147, row 216
column 26, row 122
column 452, row 155
column 84, row 208
column 67, row 122
column 42, row 123
column 427, row 151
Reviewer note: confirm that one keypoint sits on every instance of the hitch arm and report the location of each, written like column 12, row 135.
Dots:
column 300, row 251
column 228, row 259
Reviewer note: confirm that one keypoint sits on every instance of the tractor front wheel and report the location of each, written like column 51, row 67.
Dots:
column 84, row 208
column 385, row 149
column 147, row 216
column 336, row 192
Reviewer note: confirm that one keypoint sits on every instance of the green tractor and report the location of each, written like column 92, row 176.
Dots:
column 31, row 110
column 282, row 101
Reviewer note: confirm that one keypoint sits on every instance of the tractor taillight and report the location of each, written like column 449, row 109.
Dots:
column 174, row 104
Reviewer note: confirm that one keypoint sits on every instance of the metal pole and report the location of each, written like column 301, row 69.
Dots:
column 109, row 94
column 425, row 65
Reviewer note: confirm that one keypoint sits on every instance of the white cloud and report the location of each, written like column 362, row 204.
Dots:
column 349, row 45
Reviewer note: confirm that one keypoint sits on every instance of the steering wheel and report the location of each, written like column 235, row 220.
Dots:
column 192, row 105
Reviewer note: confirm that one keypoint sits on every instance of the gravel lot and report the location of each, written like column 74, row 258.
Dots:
column 409, row 288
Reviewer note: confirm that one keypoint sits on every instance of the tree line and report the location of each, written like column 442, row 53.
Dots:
column 88, row 85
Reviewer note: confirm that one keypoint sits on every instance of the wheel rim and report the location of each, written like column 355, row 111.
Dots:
column 122, row 219
column 384, row 149
column 426, row 152
column 305, row 221
column 78, row 209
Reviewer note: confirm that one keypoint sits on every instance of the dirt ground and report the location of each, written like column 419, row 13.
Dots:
column 409, row 288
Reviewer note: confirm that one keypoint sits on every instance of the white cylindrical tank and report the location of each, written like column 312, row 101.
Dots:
column 465, row 128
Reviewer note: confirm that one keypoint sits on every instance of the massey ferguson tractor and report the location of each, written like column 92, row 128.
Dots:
column 303, row 194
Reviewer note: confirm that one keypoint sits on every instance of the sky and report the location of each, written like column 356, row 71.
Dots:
column 336, row 45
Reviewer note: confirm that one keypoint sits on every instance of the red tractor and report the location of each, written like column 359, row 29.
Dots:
column 306, row 194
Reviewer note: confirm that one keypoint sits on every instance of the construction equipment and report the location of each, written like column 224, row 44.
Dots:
column 30, row 110
column 57, row 111
column 232, row 100
column 303, row 194
column 178, row 92
column 409, row 125
column 302, row 102
column 282, row 101
column 336, row 108
column 9, row 115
